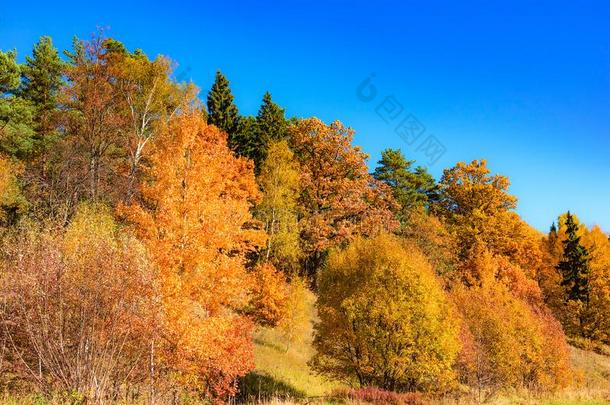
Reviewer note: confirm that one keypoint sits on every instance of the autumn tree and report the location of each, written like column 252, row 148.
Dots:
column 268, row 305
column 548, row 277
column 598, row 316
column 339, row 199
column 195, row 220
column 95, row 123
column 478, row 209
column 384, row 318
column 508, row 344
column 279, row 183
column 149, row 98
column 500, row 260
column 510, row 338
column 469, row 190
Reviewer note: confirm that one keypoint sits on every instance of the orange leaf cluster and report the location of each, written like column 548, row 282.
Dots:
column 195, row 220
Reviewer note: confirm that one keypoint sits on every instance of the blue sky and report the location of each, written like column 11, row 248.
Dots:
column 525, row 85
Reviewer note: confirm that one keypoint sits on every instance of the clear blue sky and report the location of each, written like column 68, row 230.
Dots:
column 525, row 85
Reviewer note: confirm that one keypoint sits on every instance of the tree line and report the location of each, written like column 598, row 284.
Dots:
column 146, row 233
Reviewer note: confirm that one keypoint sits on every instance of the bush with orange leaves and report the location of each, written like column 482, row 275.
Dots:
column 11, row 200
column 510, row 338
column 195, row 219
column 269, row 295
column 77, row 308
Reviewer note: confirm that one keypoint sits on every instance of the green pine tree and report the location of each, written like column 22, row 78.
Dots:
column 16, row 114
column 222, row 111
column 42, row 75
column 9, row 72
column 41, row 82
column 411, row 187
column 245, row 141
column 574, row 266
column 78, row 51
column 271, row 126
column 271, row 120
column 253, row 135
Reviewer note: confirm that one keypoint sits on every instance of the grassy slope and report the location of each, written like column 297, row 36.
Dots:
column 282, row 372
column 592, row 372
column 281, row 366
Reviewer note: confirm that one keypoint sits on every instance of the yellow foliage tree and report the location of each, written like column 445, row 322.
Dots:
column 384, row 318
column 598, row 307
column 476, row 206
column 279, row 183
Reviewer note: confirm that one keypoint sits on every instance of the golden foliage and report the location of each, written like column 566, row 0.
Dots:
column 598, row 307
column 384, row 318
column 269, row 296
column 279, row 182
column 509, row 344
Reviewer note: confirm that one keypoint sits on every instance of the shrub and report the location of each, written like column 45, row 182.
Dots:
column 508, row 344
column 384, row 319
column 269, row 296
column 77, row 307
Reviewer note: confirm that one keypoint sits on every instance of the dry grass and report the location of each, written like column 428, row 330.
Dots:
column 282, row 373
column 284, row 377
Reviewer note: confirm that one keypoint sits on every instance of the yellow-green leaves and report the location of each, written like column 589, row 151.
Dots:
column 384, row 318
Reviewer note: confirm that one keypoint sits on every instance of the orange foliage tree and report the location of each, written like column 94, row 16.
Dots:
column 95, row 122
column 511, row 339
column 339, row 199
column 148, row 97
column 195, row 219
column 598, row 307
